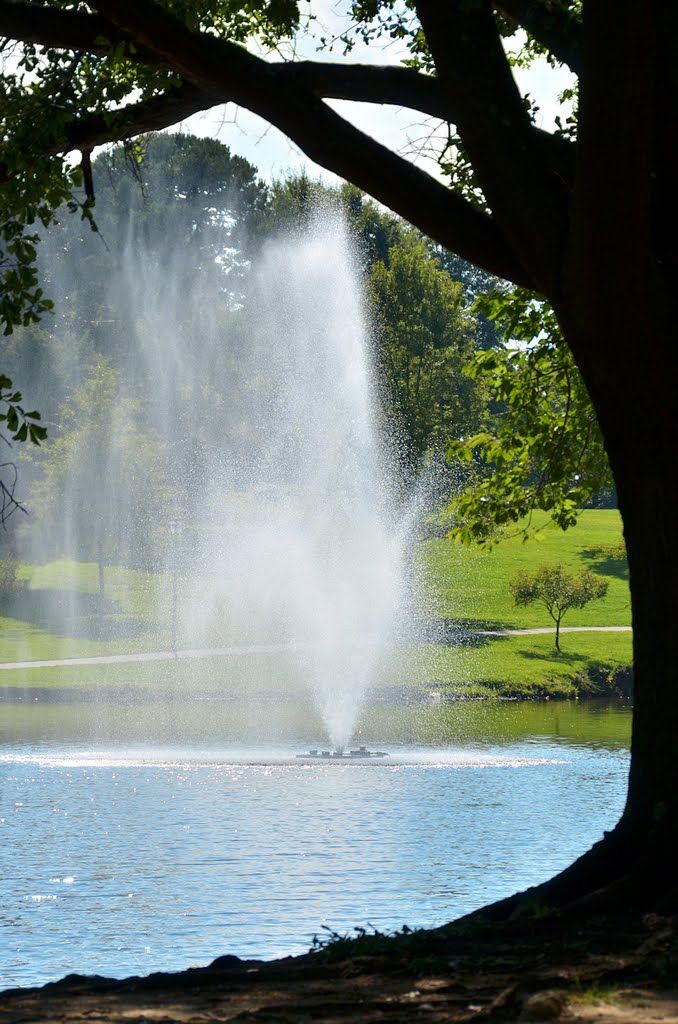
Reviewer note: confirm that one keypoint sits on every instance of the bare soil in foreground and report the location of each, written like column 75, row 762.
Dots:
column 617, row 969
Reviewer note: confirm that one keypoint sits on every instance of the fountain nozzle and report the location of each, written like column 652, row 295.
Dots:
column 362, row 753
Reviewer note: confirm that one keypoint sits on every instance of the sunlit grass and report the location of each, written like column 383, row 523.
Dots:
column 529, row 664
column 137, row 593
column 22, row 641
column 472, row 584
column 235, row 674
column 523, row 666
column 516, row 665
column 465, row 588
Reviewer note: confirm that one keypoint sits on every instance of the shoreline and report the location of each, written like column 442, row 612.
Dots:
column 36, row 694
column 617, row 968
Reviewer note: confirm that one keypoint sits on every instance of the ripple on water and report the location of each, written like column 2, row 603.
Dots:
column 145, row 860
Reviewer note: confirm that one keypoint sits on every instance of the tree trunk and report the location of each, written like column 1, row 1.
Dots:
column 648, row 498
column 617, row 311
column 634, row 865
column 102, row 579
column 635, row 862
column 621, row 275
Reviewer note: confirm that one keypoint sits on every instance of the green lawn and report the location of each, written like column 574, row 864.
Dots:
column 238, row 674
column 136, row 592
column 48, row 625
column 462, row 588
column 470, row 584
column 523, row 665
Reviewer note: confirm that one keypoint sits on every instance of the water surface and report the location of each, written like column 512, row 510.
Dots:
column 127, row 850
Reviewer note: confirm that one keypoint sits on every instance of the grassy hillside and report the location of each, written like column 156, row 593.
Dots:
column 471, row 585
column 460, row 589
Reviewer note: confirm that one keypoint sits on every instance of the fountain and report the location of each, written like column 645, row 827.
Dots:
column 280, row 519
column 361, row 754
column 340, row 542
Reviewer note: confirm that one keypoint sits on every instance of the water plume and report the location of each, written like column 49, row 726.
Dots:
column 325, row 548
column 277, row 510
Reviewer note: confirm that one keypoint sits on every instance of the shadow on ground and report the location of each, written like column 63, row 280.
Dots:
column 77, row 615
column 614, row 968
column 565, row 657
column 459, row 632
column 606, row 564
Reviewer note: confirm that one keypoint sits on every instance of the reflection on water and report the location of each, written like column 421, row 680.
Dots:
column 287, row 723
column 143, row 841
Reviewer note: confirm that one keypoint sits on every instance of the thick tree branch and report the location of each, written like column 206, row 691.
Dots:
column 360, row 83
column 289, row 96
column 49, row 26
column 404, row 87
column 216, row 65
column 552, row 24
column 137, row 118
column 497, row 133
column 398, row 86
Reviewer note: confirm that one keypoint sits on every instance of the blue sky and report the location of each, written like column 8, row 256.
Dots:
column 401, row 130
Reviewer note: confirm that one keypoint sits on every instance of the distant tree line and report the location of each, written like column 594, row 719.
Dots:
column 179, row 223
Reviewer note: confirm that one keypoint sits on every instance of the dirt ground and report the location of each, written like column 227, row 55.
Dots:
column 611, row 970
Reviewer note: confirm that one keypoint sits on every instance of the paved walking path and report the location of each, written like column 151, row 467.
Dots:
column 115, row 659
column 234, row 649
column 551, row 629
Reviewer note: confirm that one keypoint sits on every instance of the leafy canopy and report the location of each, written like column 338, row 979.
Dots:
column 424, row 338
column 543, row 448
column 79, row 77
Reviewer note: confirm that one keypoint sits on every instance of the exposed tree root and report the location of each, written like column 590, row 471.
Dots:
column 618, row 969
column 618, row 872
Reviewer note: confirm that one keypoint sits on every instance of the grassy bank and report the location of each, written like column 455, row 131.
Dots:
column 57, row 614
column 523, row 666
column 517, row 666
column 468, row 589
column 470, row 585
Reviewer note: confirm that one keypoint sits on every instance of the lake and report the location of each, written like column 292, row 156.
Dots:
column 146, row 837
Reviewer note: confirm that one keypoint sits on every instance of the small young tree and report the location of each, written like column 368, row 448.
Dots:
column 557, row 589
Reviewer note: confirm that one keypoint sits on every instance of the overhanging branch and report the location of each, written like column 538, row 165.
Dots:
column 398, row 86
column 48, row 26
column 497, row 134
column 552, row 24
column 150, row 115
column 137, row 118
column 218, row 66
column 287, row 95
column 404, row 87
